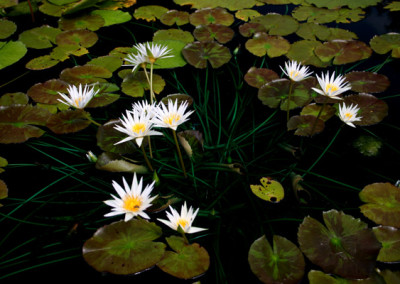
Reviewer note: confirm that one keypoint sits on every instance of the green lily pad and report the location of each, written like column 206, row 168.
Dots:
column 250, row 29
column 210, row 32
column 47, row 92
column 207, row 16
column 314, row 109
column 284, row 263
column 7, row 28
column 149, row 13
column 269, row 190
column 256, row 77
column 86, row 74
column 198, row 54
column 192, row 142
column 393, row 6
column 350, row 15
column 332, row 4
column 384, row 43
column 232, row 5
column 62, row 2
column 11, row 52
column 372, row 109
column 337, row 33
column 112, row 17
column 50, row 9
column 276, row 93
column 8, row 3
column 135, row 84
column 176, row 47
column 262, row 44
column 277, row 24
column 83, row 38
column 342, row 51
column 180, row 98
column 41, row 63
column 313, row 31
column 305, row 125
column 367, row 82
column 107, row 136
column 246, row 14
column 318, row 277
column 186, row 261
column 102, row 99
column 173, row 34
column 346, row 246
column 111, row 162
column 3, row 190
column 18, row 98
column 382, row 203
column 303, row 51
column 79, row 5
column 391, row 277
column 111, row 63
column 389, row 237
column 17, row 123
column 68, row 121
column 63, row 52
column 316, row 15
column 39, row 38
column 124, row 247
column 175, row 17
column 90, row 22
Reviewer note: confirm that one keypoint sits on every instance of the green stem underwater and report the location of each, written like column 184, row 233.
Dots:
column 288, row 100
column 179, row 153
column 146, row 159
column 318, row 116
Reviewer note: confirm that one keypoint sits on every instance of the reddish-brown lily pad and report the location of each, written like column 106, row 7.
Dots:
column 114, row 163
column 262, row 44
column 277, row 24
column 221, row 33
column 389, row 237
column 343, row 51
column 199, row 53
column 346, row 246
column 192, row 142
column 135, row 84
column 124, row 247
column 249, row 29
column 314, row 109
column 382, row 203
column 284, row 263
column 367, row 82
column 211, row 16
column 17, row 123
column 256, row 77
column 86, row 74
column 186, row 261
column 175, row 17
column 305, row 125
column 41, row 37
column 83, row 38
column 388, row 42
column 372, row 109
column 68, row 121
column 90, row 22
column 47, row 92
column 107, row 136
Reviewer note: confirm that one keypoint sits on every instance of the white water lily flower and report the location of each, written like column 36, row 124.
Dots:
column 348, row 114
column 295, row 71
column 132, row 201
column 144, row 106
column 184, row 220
column 332, row 87
column 136, row 125
column 137, row 60
column 78, row 97
column 155, row 51
column 171, row 116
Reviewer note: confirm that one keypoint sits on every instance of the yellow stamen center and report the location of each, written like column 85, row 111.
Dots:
column 173, row 117
column 348, row 115
column 77, row 101
column 132, row 203
column 183, row 223
column 330, row 88
column 294, row 73
column 139, row 127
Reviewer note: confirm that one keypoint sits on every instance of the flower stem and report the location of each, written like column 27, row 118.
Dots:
column 179, row 153
column 152, row 96
column 146, row 159
column 151, row 152
column 288, row 100
column 185, row 238
column 319, row 114
column 91, row 120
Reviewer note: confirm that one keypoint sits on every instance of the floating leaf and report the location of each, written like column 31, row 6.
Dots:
column 232, row 5
column 107, row 136
column 86, row 74
column 247, row 14
column 83, row 38
column 346, row 246
column 350, row 15
column 177, row 59
column 186, row 261
column 332, row 4
column 3, row 190
column 305, row 125
column 39, row 38
column 342, row 51
column 102, row 99
column 384, row 43
column 314, row 109
column 393, row 6
column 284, row 263
column 8, row 3
column 269, row 190
column 124, row 247
column 256, row 77
column 249, row 29
column 337, row 33
column 68, row 121
column 114, row 163
column 112, row 17
column 111, row 63
column 175, row 17
column 180, row 98
column 11, row 52
column 316, row 15
column 173, row 34
column 313, row 31
column 372, row 109
column 47, row 92
column 7, row 28
column 63, row 52
column 221, row 33
column 135, row 84
column 14, row 99
column 318, row 277
column 207, row 16
column 17, row 123
column 303, row 51
column 149, row 13
column 80, row 5
column 277, row 24
column 41, row 63
column 192, row 142
column 262, row 44
column 367, row 82
column 90, row 22
column 389, row 237
column 391, row 277
column 198, row 53
column 382, row 203
column 62, row 2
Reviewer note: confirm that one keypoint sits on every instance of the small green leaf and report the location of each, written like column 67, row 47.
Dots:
column 269, row 190
column 11, row 52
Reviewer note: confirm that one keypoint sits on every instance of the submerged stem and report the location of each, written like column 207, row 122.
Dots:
column 179, row 153
column 318, row 116
column 146, row 159
column 288, row 100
